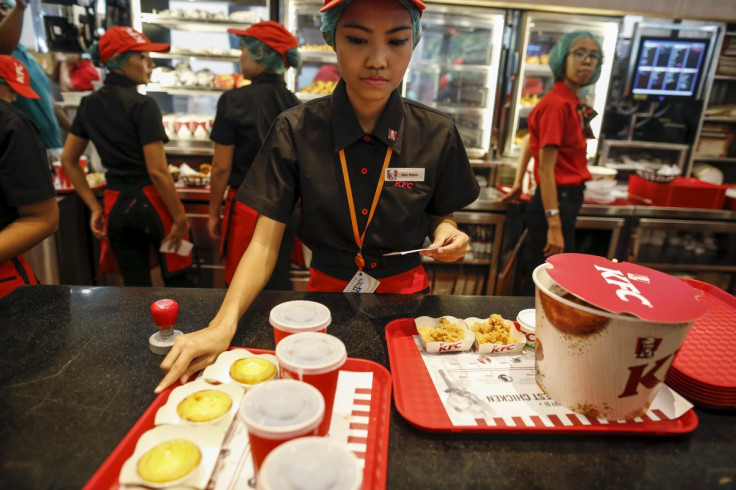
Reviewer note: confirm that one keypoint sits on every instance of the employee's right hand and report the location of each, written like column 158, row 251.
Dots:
column 513, row 195
column 213, row 226
column 191, row 353
column 179, row 231
column 97, row 224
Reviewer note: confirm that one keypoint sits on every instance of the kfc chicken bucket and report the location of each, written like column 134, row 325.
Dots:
column 606, row 332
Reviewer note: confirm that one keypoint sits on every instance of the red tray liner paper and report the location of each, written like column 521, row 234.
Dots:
column 376, row 457
column 417, row 401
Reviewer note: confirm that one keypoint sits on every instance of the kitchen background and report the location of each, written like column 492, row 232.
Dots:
column 484, row 64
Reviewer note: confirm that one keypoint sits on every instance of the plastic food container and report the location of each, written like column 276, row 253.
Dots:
column 527, row 321
column 298, row 316
column 607, row 332
column 310, row 463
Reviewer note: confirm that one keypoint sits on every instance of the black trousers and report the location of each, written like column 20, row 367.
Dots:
column 135, row 232
column 570, row 199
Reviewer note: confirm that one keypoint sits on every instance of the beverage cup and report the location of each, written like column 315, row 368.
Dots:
column 83, row 163
column 315, row 358
column 169, row 122
column 61, row 175
column 184, row 127
column 200, row 128
column 298, row 316
column 310, row 462
column 278, row 411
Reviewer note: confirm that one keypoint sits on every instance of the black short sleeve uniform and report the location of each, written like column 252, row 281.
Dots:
column 120, row 121
column 244, row 116
column 25, row 177
column 299, row 160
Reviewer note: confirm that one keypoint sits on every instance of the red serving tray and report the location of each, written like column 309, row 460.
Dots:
column 707, row 376
column 376, row 455
column 417, row 401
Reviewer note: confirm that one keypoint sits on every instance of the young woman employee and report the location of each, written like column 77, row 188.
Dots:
column 28, row 208
column 558, row 128
column 375, row 174
column 244, row 116
column 141, row 207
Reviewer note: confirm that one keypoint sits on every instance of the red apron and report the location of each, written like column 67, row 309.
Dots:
column 171, row 263
column 238, row 225
column 413, row 281
column 14, row 273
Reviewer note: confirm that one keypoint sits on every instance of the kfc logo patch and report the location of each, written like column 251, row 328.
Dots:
column 392, row 135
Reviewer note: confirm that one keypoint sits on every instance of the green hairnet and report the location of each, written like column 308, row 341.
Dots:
column 559, row 52
column 114, row 63
column 329, row 21
column 9, row 3
column 268, row 57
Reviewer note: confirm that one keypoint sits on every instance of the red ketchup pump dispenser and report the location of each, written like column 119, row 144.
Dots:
column 164, row 312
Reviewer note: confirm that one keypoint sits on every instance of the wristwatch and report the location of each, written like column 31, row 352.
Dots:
column 551, row 212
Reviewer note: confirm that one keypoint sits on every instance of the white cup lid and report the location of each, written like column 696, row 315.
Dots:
column 311, row 352
column 310, row 463
column 282, row 408
column 300, row 316
column 528, row 318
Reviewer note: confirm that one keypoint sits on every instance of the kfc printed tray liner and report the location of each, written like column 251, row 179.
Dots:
column 417, row 401
column 375, row 457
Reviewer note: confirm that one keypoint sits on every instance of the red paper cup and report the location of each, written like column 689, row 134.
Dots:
column 314, row 358
column 297, row 317
column 318, row 460
column 279, row 411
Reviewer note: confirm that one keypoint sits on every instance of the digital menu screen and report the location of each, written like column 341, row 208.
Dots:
column 669, row 67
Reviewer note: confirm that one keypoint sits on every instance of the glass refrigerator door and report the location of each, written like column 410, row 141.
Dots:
column 455, row 69
column 541, row 32
column 318, row 74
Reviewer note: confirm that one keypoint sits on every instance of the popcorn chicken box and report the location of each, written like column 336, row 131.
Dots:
column 444, row 334
column 495, row 336
column 607, row 332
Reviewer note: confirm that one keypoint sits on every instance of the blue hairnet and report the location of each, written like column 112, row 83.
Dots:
column 559, row 52
column 329, row 21
column 9, row 3
column 268, row 57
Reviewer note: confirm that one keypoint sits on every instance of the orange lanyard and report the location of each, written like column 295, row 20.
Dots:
column 359, row 261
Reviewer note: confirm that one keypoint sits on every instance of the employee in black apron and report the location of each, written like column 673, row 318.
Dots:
column 28, row 208
column 244, row 116
column 141, row 208
column 375, row 174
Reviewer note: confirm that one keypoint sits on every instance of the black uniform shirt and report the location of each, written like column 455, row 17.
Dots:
column 299, row 159
column 244, row 116
column 120, row 121
column 25, row 177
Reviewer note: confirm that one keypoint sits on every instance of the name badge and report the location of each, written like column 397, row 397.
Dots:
column 405, row 174
column 362, row 283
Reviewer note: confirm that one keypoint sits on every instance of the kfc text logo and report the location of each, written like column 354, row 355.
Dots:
column 20, row 75
column 454, row 346
column 625, row 288
column 408, row 185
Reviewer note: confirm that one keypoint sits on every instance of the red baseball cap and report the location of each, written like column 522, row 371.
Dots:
column 272, row 34
column 16, row 76
column 331, row 4
column 121, row 39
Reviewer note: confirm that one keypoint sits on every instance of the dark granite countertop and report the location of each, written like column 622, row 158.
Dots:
column 77, row 374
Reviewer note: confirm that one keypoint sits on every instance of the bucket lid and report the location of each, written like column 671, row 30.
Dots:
column 626, row 288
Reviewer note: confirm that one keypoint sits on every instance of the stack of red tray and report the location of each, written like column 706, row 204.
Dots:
column 704, row 370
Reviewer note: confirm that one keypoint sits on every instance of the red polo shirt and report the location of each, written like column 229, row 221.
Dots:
column 555, row 121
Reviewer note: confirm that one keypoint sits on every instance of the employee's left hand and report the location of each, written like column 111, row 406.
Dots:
column 450, row 245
